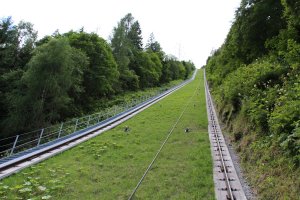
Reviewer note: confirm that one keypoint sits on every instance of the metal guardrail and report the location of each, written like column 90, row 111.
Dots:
column 38, row 137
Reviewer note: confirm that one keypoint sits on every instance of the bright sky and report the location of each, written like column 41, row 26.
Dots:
column 188, row 29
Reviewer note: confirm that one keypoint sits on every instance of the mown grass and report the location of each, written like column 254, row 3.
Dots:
column 110, row 165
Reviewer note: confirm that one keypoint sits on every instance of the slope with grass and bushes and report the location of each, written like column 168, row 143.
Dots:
column 110, row 165
column 255, row 80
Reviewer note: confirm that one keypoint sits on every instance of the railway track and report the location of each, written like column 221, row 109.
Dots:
column 226, row 180
column 16, row 162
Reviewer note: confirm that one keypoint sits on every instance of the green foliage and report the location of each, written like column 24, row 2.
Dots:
column 173, row 69
column 254, row 77
column 176, row 68
column 101, row 75
column 166, row 73
column 143, row 68
column 148, row 67
column 72, row 74
column 189, row 68
column 154, row 46
column 256, row 21
column 77, row 89
column 10, row 87
column 256, row 70
column 135, row 36
column 129, row 80
column 16, row 46
column 285, row 120
column 26, row 42
column 8, row 44
column 126, row 41
column 50, row 76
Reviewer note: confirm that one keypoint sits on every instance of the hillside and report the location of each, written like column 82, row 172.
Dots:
column 255, row 80
column 110, row 165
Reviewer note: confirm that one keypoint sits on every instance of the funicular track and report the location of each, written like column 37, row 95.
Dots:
column 227, row 183
column 16, row 162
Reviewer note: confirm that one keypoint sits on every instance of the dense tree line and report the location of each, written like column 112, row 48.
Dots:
column 64, row 75
column 255, row 78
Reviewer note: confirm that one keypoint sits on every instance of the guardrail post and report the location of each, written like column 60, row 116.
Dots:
column 75, row 125
column 13, row 148
column 41, row 135
column 88, row 122
column 60, row 130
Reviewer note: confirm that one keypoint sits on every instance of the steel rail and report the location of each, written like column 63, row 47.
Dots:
column 227, row 182
column 219, row 148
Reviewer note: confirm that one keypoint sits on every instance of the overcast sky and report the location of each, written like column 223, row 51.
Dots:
column 188, row 29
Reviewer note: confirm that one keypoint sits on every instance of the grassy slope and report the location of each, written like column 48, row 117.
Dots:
column 128, row 96
column 110, row 165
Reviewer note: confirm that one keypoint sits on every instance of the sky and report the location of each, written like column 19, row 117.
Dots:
column 187, row 29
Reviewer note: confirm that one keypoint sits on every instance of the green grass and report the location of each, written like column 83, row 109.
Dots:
column 127, row 96
column 110, row 165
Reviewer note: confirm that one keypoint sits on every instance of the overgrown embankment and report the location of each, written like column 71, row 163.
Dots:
column 110, row 165
column 255, row 80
